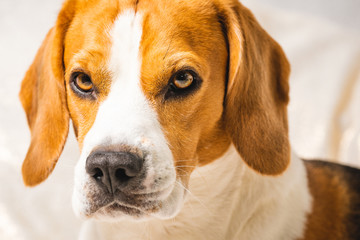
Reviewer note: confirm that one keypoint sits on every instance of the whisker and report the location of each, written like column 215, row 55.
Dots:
column 196, row 198
column 182, row 171
column 185, row 160
column 183, row 166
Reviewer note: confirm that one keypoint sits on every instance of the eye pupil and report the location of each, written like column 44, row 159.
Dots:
column 182, row 76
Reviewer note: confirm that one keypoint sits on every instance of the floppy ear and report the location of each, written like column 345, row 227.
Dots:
column 43, row 98
column 257, row 93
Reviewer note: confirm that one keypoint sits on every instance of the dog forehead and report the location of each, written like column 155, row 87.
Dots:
column 182, row 25
column 188, row 22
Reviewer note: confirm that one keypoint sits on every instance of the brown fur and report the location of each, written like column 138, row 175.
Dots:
column 336, row 202
column 255, row 110
column 43, row 98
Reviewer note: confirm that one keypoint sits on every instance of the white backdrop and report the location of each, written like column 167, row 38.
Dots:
column 324, row 112
column 344, row 13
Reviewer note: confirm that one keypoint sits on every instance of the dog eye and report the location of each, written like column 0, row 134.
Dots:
column 183, row 83
column 183, row 79
column 83, row 83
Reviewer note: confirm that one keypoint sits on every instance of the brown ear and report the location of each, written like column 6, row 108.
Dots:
column 43, row 98
column 257, row 93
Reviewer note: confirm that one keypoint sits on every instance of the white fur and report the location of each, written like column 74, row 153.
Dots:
column 126, row 117
column 227, row 200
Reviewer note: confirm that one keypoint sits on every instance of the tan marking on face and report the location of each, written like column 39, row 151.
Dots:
column 177, row 39
column 87, row 49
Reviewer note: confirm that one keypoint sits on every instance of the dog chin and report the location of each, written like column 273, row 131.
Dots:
column 115, row 211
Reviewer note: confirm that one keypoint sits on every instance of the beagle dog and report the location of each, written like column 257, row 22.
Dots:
column 180, row 111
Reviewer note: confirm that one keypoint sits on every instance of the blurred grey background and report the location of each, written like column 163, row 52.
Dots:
column 342, row 12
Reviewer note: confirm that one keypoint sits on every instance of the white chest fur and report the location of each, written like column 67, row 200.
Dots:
column 226, row 200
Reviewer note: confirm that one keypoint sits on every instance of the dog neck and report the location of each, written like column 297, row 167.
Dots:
column 227, row 200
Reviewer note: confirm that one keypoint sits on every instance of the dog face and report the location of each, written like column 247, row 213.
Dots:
column 154, row 90
column 149, row 99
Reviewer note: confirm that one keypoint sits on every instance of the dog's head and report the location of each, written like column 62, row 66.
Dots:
column 154, row 89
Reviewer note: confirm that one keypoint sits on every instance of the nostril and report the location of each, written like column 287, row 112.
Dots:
column 120, row 174
column 98, row 174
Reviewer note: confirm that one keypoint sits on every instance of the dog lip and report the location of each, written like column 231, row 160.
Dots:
column 116, row 206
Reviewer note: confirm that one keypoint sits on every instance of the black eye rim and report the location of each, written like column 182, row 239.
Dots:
column 173, row 92
column 77, row 90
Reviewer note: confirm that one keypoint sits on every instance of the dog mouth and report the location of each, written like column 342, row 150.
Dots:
column 120, row 204
column 141, row 204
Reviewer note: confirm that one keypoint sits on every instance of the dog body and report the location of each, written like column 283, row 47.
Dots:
column 179, row 108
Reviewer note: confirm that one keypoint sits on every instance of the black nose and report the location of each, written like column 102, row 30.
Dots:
column 113, row 170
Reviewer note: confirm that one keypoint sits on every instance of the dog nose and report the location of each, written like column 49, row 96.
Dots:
column 113, row 170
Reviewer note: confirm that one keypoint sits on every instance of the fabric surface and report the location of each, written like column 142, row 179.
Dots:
column 324, row 112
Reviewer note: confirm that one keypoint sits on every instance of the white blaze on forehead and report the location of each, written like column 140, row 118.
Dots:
column 125, row 58
column 125, row 114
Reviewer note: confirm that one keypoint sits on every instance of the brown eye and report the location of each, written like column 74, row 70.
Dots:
column 183, row 79
column 183, row 83
column 83, row 83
